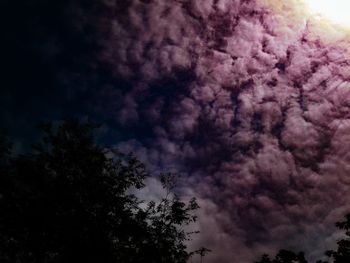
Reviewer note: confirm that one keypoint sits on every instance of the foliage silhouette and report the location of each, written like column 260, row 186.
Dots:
column 284, row 256
column 340, row 255
column 69, row 200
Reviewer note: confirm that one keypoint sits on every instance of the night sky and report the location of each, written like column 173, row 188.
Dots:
column 248, row 100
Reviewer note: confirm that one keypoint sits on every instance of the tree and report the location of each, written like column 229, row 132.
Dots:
column 340, row 255
column 69, row 200
column 284, row 256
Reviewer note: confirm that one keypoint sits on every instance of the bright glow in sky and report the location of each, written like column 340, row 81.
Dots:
column 337, row 11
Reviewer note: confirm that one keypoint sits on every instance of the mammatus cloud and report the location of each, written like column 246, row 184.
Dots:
column 249, row 102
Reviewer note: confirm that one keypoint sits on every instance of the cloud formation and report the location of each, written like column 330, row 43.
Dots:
column 248, row 99
column 251, row 105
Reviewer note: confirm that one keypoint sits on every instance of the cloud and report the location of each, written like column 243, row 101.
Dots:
column 251, row 106
column 249, row 100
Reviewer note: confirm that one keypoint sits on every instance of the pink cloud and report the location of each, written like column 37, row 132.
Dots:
column 260, row 127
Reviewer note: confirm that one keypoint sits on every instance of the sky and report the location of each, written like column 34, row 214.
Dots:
column 247, row 99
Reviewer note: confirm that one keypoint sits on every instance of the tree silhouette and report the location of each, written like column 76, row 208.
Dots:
column 202, row 252
column 284, row 256
column 69, row 200
column 340, row 255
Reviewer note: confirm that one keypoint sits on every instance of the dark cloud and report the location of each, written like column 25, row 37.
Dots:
column 258, row 127
column 243, row 98
column 49, row 68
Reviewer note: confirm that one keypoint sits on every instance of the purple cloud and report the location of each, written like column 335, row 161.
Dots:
column 245, row 101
